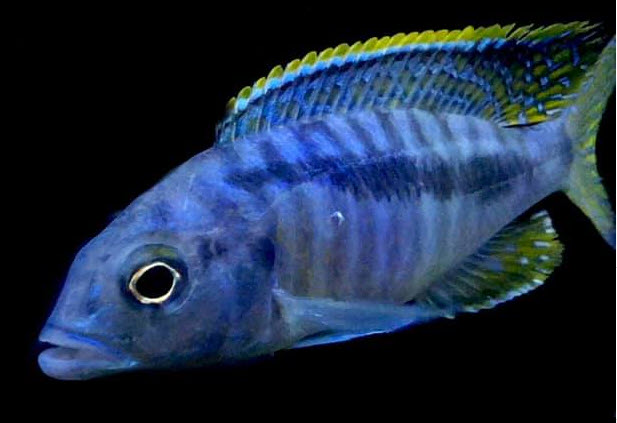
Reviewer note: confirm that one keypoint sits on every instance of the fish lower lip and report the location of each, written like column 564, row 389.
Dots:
column 67, row 353
column 72, row 356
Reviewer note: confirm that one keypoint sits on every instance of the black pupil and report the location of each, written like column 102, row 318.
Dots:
column 155, row 282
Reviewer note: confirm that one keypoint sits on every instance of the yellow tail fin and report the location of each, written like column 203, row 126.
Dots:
column 584, row 186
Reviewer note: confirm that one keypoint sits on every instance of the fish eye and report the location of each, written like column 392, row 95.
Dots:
column 154, row 283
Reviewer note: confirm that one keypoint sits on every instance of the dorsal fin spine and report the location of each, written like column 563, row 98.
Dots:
column 319, row 84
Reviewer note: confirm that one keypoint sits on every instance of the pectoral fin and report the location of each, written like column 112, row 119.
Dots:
column 315, row 321
column 516, row 260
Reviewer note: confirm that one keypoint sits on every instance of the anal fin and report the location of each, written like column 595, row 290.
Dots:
column 516, row 260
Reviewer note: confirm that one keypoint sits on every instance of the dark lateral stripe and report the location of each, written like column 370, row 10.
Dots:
column 280, row 168
column 394, row 176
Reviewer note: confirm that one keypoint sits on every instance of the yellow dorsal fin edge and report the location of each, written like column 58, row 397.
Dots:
column 344, row 53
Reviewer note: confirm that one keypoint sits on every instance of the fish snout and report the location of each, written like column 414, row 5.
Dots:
column 74, row 356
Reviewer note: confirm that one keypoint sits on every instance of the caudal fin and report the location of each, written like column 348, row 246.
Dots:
column 584, row 186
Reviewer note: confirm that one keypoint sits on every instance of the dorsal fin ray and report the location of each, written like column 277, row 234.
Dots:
column 511, row 75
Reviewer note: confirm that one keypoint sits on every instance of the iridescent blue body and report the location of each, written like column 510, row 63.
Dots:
column 375, row 205
column 307, row 225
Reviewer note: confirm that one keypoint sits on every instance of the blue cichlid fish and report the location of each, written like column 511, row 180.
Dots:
column 356, row 191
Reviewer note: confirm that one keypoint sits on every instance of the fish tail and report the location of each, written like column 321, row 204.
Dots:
column 584, row 185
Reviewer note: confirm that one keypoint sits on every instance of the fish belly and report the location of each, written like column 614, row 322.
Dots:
column 377, row 205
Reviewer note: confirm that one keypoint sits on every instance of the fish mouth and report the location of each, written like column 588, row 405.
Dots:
column 73, row 356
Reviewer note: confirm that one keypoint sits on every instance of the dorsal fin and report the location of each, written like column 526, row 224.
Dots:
column 511, row 75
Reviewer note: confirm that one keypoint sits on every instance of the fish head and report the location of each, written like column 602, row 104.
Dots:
column 163, row 286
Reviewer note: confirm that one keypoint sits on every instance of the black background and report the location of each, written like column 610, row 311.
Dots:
column 109, row 100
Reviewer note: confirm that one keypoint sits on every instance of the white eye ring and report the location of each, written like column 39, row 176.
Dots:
column 150, row 300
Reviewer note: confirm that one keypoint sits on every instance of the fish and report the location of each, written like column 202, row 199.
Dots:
column 356, row 191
